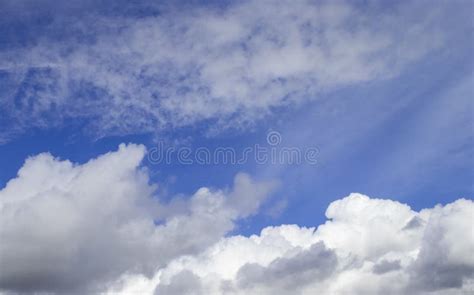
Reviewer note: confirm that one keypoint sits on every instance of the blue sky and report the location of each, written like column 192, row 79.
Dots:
column 367, row 146
column 383, row 90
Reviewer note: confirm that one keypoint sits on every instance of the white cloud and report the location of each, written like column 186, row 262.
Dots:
column 232, row 65
column 66, row 227
column 98, row 226
column 365, row 248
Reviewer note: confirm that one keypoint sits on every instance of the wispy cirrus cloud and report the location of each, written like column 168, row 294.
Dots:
column 231, row 65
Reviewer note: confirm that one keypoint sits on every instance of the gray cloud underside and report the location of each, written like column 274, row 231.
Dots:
column 99, row 227
column 71, row 227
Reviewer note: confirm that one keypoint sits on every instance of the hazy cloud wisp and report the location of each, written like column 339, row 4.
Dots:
column 231, row 66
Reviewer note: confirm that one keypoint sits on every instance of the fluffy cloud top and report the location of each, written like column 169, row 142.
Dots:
column 66, row 227
column 368, row 246
column 98, row 227
column 232, row 65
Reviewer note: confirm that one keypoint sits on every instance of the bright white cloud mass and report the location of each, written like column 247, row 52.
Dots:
column 100, row 227
column 232, row 66
column 382, row 90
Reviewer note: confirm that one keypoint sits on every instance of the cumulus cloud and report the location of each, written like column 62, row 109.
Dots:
column 445, row 259
column 66, row 227
column 230, row 65
column 100, row 227
column 365, row 247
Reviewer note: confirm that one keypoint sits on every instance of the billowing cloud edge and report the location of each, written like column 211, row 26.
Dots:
column 71, row 227
column 367, row 246
column 98, row 227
